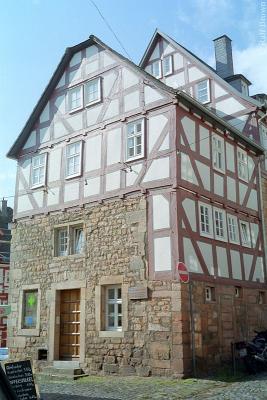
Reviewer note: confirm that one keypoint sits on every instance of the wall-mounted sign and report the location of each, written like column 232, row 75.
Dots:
column 21, row 379
column 182, row 272
column 138, row 292
column 5, row 310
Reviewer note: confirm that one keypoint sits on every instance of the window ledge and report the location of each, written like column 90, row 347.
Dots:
column 29, row 332
column 69, row 256
column 111, row 334
column 73, row 176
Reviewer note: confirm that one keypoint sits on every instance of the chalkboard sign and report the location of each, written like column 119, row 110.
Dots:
column 21, row 379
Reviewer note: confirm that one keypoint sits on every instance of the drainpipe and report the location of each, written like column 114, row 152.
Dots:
column 262, row 214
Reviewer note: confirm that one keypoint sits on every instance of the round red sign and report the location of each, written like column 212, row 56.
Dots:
column 182, row 272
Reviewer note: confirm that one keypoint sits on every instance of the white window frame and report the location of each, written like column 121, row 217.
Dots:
column 70, row 240
column 115, row 302
column 160, row 69
column 70, row 90
column 208, row 223
column 170, row 70
column 221, row 224
column 232, row 225
column 210, row 295
column 67, row 157
column 86, row 85
column 208, row 91
column 134, row 136
column 246, row 242
column 218, row 154
column 44, row 166
column 242, row 164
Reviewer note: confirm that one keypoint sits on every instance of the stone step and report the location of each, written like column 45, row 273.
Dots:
column 58, row 377
column 66, row 364
column 62, row 371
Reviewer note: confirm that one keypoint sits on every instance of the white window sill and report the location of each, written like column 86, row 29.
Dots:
column 134, row 158
column 233, row 242
column 111, row 334
column 76, row 255
column 221, row 239
column 248, row 245
column 243, row 179
column 39, row 185
column 73, row 176
column 222, row 171
column 93, row 102
column 207, row 235
column 29, row 332
column 75, row 109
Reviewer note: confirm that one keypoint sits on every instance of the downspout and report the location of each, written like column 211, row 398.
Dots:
column 261, row 198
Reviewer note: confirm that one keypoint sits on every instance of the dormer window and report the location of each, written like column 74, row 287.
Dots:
column 203, row 91
column 92, row 91
column 73, row 159
column 38, row 170
column 167, row 65
column 156, row 69
column 75, row 98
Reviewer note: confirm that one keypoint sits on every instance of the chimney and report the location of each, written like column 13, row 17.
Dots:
column 223, row 56
column 4, row 208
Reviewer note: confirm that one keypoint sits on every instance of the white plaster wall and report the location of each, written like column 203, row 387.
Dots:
column 76, row 59
column 113, row 181
column 60, row 104
column 162, row 254
column 53, row 196
column 114, row 146
column 254, row 228
column 151, row 95
column 167, row 48
column 131, row 176
column 54, row 165
column 190, row 131
column 92, row 114
column 44, row 117
column 253, row 200
column 230, row 157
column 75, row 75
column 251, row 166
column 44, row 134
column 248, row 258
column 195, row 73
column 161, row 212
column 91, row 53
column 178, row 61
column 176, row 80
column 259, row 271
column 62, row 81
column 108, row 83
column 166, row 143
column 93, row 153
column 189, row 206
column 222, row 262
column 129, row 78
column 218, row 90
column 31, row 141
column 59, row 130
column 206, row 251
column 236, row 264
column 71, row 191
column 191, row 260
column 39, row 197
column 159, row 169
column 204, row 143
column 25, row 170
column 131, row 101
column 156, row 125
column 92, row 67
column 24, row 203
column 187, row 172
column 113, row 109
column 76, row 121
column 93, row 187
column 242, row 191
column 155, row 53
column 231, row 189
column 218, row 185
column 204, row 172
column 108, row 59
column 228, row 107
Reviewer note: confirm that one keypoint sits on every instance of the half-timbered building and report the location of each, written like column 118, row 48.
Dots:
column 120, row 177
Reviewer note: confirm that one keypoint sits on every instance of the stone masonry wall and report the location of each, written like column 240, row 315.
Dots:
column 116, row 244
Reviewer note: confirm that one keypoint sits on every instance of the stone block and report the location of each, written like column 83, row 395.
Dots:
column 159, row 350
column 110, row 368
column 143, row 371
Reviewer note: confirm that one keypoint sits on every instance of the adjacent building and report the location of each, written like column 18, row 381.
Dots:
column 123, row 171
column 5, row 239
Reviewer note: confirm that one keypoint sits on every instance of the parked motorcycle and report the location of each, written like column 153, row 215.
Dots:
column 255, row 353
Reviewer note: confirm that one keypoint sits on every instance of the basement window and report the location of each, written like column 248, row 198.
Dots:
column 203, row 91
column 261, row 298
column 210, row 293
column 238, row 292
column 69, row 240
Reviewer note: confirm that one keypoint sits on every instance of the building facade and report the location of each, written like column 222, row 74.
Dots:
column 120, row 177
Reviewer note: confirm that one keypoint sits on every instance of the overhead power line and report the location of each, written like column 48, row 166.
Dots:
column 110, row 28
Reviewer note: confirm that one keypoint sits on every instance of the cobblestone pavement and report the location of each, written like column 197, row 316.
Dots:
column 133, row 388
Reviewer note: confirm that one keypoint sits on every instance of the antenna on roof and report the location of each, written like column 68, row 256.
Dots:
column 110, row 28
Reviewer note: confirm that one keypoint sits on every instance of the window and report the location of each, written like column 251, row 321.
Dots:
column 261, row 298
column 75, row 98
column 156, row 69
column 73, row 159
column 167, row 65
column 69, row 240
column 245, row 234
column 238, row 292
column 233, row 229
column 39, row 170
column 205, row 220
column 242, row 159
column 113, row 308
column 29, row 309
column 219, row 224
column 203, row 91
column 92, row 91
column 218, row 153
column 209, row 293
column 135, row 140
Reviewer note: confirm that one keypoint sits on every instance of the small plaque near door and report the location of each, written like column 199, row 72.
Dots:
column 138, row 292
column 21, row 379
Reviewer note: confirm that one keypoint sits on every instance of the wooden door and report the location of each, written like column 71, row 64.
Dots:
column 69, row 343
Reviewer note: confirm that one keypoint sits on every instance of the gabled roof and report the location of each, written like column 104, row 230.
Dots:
column 194, row 58
column 183, row 97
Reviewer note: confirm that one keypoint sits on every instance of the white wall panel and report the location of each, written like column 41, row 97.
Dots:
column 92, row 114
column 108, row 59
column 62, row 81
column 113, row 181
column 251, row 166
column 129, row 78
column 259, row 271
column 131, row 101
column 178, row 61
column 152, row 95
column 93, row 153
column 91, row 53
column 191, row 260
column 190, row 131
column 162, row 254
column 108, row 83
column 31, row 141
column 59, row 130
column 187, row 172
column 131, row 176
column 76, row 59
column 45, row 134
column 228, row 107
column 253, row 200
column 75, row 75
column 176, row 80
column 166, row 143
column 189, row 206
column 156, row 125
column 204, row 142
column 71, row 191
column 248, row 258
column 114, row 146
column 195, row 73
column 218, row 185
column 231, row 189
column 92, row 67
column 161, row 212
column 167, row 48
column 156, row 53
column 113, row 109
column 53, row 196
column 242, row 192
column 24, row 203
column 230, row 157
column 93, row 187
column 60, row 104
column 76, row 121
column 39, row 197
column 206, row 251
column 25, row 170
column 44, row 117
column 54, row 165
column 254, row 233
column 222, row 262
column 218, row 90
column 236, row 264
column 159, row 169
column 204, row 172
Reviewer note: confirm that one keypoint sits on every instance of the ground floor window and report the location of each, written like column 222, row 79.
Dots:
column 113, row 308
column 29, row 311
